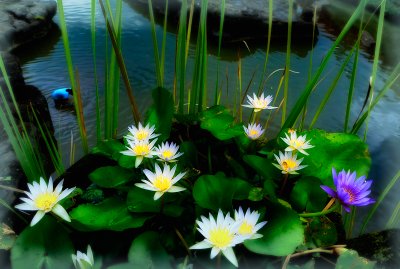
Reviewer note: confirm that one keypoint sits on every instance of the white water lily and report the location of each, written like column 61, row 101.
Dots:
column 140, row 149
column 259, row 103
column 82, row 260
column 168, row 152
column 248, row 226
column 288, row 163
column 220, row 235
column 43, row 199
column 253, row 131
column 295, row 142
column 161, row 181
column 141, row 133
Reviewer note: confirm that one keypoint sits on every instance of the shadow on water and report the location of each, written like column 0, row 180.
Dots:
column 242, row 36
column 40, row 47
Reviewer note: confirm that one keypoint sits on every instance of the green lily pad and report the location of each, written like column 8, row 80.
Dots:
column 111, row 214
column 282, row 234
column 126, row 161
column 263, row 166
column 322, row 232
column 45, row 245
column 160, row 114
column 147, row 252
column 142, row 201
column 350, row 259
column 111, row 176
column 109, row 148
column 217, row 191
column 307, row 195
column 219, row 121
column 335, row 150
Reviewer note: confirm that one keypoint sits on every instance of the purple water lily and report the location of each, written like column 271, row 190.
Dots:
column 350, row 190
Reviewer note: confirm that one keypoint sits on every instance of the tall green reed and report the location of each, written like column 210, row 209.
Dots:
column 24, row 147
column 70, row 66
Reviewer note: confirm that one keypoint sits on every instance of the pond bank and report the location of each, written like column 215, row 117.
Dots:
column 22, row 22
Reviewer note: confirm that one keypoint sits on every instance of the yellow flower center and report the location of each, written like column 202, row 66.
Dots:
column 46, row 201
column 162, row 183
column 141, row 149
column 167, row 154
column 221, row 237
column 142, row 135
column 253, row 133
column 288, row 164
column 260, row 103
column 245, row 228
column 298, row 143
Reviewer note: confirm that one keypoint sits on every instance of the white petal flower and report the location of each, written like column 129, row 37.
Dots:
column 82, row 260
column 161, row 181
column 248, row 224
column 260, row 103
column 288, row 163
column 168, row 152
column 140, row 149
column 253, row 131
column 295, row 142
column 141, row 133
column 43, row 198
column 220, row 235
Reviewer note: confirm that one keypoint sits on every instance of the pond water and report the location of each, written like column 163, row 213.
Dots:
column 44, row 66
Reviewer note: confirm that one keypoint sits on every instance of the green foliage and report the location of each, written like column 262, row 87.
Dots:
column 335, row 150
column 111, row 214
column 217, row 191
column 219, row 121
column 109, row 148
column 307, row 195
column 45, row 245
column 263, row 166
column 161, row 112
column 147, row 252
column 321, row 232
column 350, row 259
column 141, row 201
column 111, row 176
column 282, row 234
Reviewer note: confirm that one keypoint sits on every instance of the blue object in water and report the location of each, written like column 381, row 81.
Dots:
column 62, row 96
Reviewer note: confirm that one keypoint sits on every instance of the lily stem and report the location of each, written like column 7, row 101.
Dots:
column 323, row 212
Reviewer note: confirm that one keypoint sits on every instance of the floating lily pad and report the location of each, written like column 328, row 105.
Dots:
column 282, row 234
column 111, row 214
column 45, row 245
column 109, row 148
column 217, row 191
column 307, row 195
column 219, row 121
column 111, row 176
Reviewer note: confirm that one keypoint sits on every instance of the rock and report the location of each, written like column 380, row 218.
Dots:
column 244, row 20
column 382, row 247
column 22, row 21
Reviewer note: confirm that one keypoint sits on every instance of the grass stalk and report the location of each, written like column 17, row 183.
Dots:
column 70, row 66
column 381, row 197
column 376, row 61
column 121, row 65
column 287, row 62
column 180, row 59
column 301, row 101
column 394, row 220
column 221, row 27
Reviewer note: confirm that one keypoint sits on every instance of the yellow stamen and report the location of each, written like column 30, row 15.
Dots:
column 288, row 164
column 142, row 135
column 162, row 183
column 253, row 133
column 46, row 201
column 245, row 228
column 298, row 143
column 141, row 149
column 167, row 154
column 221, row 237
